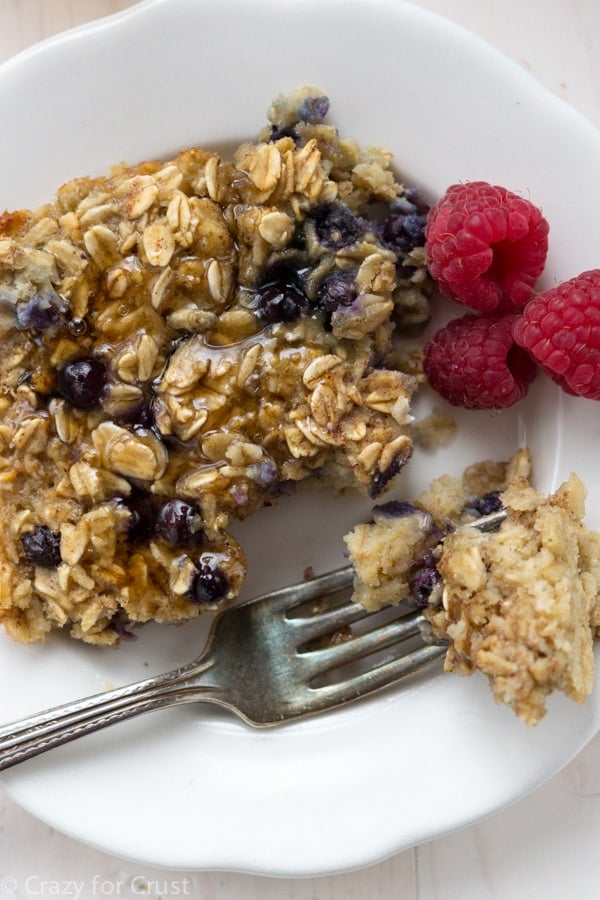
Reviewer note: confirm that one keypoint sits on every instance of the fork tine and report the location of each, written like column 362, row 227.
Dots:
column 328, row 621
column 288, row 597
column 388, row 673
column 322, row 660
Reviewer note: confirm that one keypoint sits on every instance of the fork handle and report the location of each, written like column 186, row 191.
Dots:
column 35, row 734
column 27, row 747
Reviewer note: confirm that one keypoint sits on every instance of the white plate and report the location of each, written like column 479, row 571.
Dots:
column 193, row 788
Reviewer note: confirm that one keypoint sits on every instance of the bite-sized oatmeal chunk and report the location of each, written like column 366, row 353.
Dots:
column 395, row 554
column 517, row 603
column 181, row 341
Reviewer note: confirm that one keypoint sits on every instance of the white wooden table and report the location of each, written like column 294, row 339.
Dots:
column 546, row 846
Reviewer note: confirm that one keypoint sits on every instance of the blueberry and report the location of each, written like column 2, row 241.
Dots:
column 423, row 583
column 142, row 515
column 140, row 415
column 263, row 473
column 381, row 479
column 335, row 290
column 178, row 523
column 412, row 201
column 42, row 546
column 82, row 382
column 335, row 226
column 280, row 303
column 210, row 582
column 122, row 625
column 280, row 295
column 41, row 312
column 396, row 509
column 402, row 232
column 314, row 109
column 489, row 503
column 278, row 133
column 290, row 269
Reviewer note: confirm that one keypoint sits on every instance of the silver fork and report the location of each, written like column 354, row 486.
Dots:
column 260, row 662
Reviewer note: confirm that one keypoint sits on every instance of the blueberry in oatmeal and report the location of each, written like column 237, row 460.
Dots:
column 209, row 583
column 82, row 382
column 280, row 294
column 334, row 225
column 178, row 523
column 142, row 514
column 42, row 311
column 41, row 546
column 423, row 584
column 313, row 109
column 336, row 289
column 183, row 341
column 403, row 232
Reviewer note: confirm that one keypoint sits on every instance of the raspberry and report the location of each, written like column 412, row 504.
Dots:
column 561, row 330
column 474, row 362
column 486, row 246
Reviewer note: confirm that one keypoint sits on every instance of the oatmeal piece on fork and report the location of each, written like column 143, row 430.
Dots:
column 519, row 604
